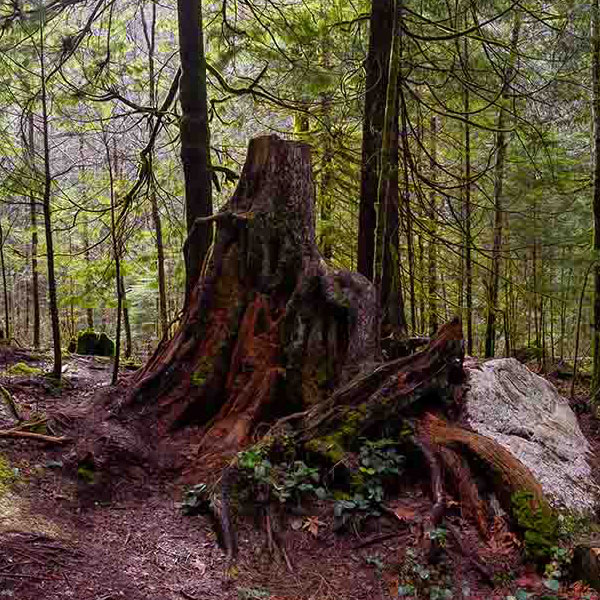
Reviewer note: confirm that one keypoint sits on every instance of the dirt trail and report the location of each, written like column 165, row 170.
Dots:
column 138, row 548
column 54, row 546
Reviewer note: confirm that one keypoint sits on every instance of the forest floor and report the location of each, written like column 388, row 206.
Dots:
column 139, row 546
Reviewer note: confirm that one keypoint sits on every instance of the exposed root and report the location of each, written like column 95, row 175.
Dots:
column 512, row 474
column 471, row 506
column 436, row 480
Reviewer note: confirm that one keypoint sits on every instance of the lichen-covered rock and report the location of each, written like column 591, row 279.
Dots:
column 526, row 415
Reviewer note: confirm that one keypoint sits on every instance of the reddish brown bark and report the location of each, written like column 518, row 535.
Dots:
column 269, row 329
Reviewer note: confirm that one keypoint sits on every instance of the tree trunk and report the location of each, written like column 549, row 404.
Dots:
column 432, row 247
column 595, row 40
column 195, row 141
column 52, row 296
column 35, row 286
column 376, row 85
column 126, row 322
column 467, row 242
column 7, row 334
column 499, row 213
column 386, row 270
column 269, row 329
column 407, row 213
column 150, row 35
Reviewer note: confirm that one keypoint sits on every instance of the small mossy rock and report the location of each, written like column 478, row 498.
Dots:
column 90, row 343
column 86, row 342
column 105, row 346
column 528, row 354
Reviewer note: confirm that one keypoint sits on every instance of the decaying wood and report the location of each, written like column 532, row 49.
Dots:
column 390, row 390
column 436, row 481
column 471, row 507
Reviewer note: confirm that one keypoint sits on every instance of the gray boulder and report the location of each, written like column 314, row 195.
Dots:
column 525, row 413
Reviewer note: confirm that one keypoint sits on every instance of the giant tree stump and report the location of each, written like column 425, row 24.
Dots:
column 274, row 340
column 270, row 328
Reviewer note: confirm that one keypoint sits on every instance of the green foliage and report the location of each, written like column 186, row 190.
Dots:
column 288, row 481
column 421, row 581
column 378, row 463
column 539, row 523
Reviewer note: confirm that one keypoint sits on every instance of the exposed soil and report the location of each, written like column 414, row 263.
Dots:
column 55, row 544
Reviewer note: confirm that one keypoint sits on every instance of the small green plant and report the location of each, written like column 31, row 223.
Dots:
column 440, row 593
column 376, row 561
column 378, row 462
column 195, row 500
column 439, row 534
column 287, row 481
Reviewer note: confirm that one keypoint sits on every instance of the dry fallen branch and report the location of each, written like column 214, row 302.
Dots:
column 40, row 437
column 12, row 405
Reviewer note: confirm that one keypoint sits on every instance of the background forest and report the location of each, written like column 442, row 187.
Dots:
column 489, row 157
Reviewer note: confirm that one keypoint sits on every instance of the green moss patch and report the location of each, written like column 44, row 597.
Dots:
column 7, row 476
column 24, row 369
column 539, row 524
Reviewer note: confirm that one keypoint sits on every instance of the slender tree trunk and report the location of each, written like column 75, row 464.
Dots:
column 432, row 247
column 595, row 40
column 195, row 141
column 378, row 259
column 7, row 332
column 499, row 213
column 52, row 296
column 160, row 261
column 467, row 243
column 35, row 286
column 578, row 326
column 325, row 196
column 407, row 213
column 150, row 35
column 126, row 321
column 89, row 311
column 552, row 350
column 117, row 258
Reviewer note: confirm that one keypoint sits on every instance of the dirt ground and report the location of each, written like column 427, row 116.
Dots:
column 54, row 544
